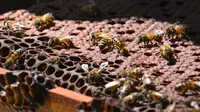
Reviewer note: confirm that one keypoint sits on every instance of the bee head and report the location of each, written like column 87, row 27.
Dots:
column 37, row 24
column 178, row 87
column 169, row 31
column 7, row 65
column 18, row 33
column 92, row 36
column 140, row 39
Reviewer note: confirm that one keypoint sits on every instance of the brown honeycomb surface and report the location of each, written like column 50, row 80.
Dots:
column 125, row 20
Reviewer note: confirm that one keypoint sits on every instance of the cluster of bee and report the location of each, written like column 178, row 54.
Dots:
column 134, row 86
column 18, row 29
column 105, row 41
column 176, row 32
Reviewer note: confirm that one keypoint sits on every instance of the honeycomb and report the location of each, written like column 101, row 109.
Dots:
column 62, row 66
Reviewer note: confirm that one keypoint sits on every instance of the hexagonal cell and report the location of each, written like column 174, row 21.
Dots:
column 72, row 87
column 31, row 62
column 66, row 76
column 23, row 44
column 61, row 66
column 48, row 50
column 8, row 41
column 16, row 39
column 41, row 57
column 71, row 68
column 42, row 67
column 29, row 40
column 88, row 92
column 80, row 28
column 44, row 38
column 83, row 89
column 73, row 78
column 74, row 58
column 22, row 75
column 49, row 84
column 50, row 70
column 5, row 51
column 59, row 73
column 40, row 79
column 80, row 82
column 69, row 63
column 64, row 85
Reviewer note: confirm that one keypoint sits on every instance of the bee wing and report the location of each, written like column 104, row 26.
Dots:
column 85, row 67
column 103, row 65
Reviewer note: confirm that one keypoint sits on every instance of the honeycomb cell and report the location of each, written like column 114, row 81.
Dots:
column 31, row 62
column 29, row 40
column 80, row 28
column 49, row 84
column 59, row 73
column 50, row 70
column 72, row 87
column 42, row 67
column 28, row 79
column 79, row 70
column 69, row 63
column 73, row 78
column 66, row 77
column 111, row 22
column 147, row 54
column 61, row 66
column 46, row 39
column 64, row 85
column 88, row 92
column 80, row 82
column 74, row 58
column 23, row 44
column 83, row 89
column 35, row 45
column 119, row 61
column 40, row 79
column 33, row 52
column 48, row 50
column 5, row 51
column 41, row 57
column 8, row 41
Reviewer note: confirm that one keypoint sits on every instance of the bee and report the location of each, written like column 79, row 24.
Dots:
column 13, row 57
column 135, row 73
column 147, row 82
column 114, row 85
column 190, row 85
column 152, row 36
column 167, row 53
column 44, row 22
column 178, row 31
column 159, row 99
column 121, row 46
column 94, row 76
column 132, row 98
column 126, row 88
column 60, row 41
column 91, row 10
column 15, row 28
column 101, row 39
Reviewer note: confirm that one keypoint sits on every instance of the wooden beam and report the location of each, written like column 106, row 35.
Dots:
column 59, row 100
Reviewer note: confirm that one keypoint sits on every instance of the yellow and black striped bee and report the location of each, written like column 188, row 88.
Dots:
column 121, row 46
column 132, row 98
column 147, row 82
column 13, row 57
column 91, row 10
column 161, row 100
column 178, row 31
column 132, row 73
column 167, row 53
column 102, row 39
column 44, row 22
column 94, row 76
column 150, row 37
column 126, row 88
column 114, row 85
column 60, row 41
column 103, row 105
column 190, row 85
column 14, row 28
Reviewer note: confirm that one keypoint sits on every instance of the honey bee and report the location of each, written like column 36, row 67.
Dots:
column 126, row 88
column 101, row 39
column 13, row 57
column 190, row 85
column 147, row 82
column 44, row 22
column 152, row 36
column 135, row 73
column 132, row 98
column 14, row 28
column 91, row 10
column 114, row 85
column 178, row 31
column 60, row 41
column 121, row 46
column 159, row 99
column 167, row 53
column 94, row 76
